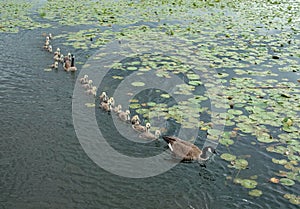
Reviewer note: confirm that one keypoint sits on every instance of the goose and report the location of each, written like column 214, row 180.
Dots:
column 186, row 150
column 105, row 106
column 49, row 49
column 140, row 128
column 92, row 91
column 73, row 68
column 84, row 79
column 50, row 36
column 57, row 52
column 55, row 65
column 124, row 116
column 67, row 65
column 135, row 119
column 112, row 101
column 61, row 58
column 46, row 45
column 88, row 85
column 149, row 135
column 103, row 97
column 57, row 57
column 118, row 109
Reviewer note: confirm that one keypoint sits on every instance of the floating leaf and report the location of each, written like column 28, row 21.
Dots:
column 138, row 83
column 165, row 96
column 226, row 142
column 281, row 162
column 239, row 164
column 255, row 193
column 117, row 77
column 247, row 183
column 292, row 198
column 135, row 106
column 286, row 182
column 265, row 138
column 131, row 68
column 90, row 104
column 228, row 157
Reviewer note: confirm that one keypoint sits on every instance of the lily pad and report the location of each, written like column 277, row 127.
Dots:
column 292, row 198
column 226, row 142
column 248, row 183
column 239, row 164
column 228, row 157
column 287, row 182
column 255, row 193
column 265, row 138
column 138, row 83
column 90, row 104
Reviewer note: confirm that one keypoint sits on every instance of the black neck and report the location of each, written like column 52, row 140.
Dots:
column 72, row 61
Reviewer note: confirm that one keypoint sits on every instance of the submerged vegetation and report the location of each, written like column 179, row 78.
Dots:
column 251, row 48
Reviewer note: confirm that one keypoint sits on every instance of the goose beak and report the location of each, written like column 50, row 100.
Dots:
column 215, row 152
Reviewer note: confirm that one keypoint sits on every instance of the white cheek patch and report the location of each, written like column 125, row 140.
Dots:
column 170, row 146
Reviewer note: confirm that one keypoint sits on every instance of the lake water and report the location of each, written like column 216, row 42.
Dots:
column 43, row 165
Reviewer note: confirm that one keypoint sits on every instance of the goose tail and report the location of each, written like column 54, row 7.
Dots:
column 169, row 139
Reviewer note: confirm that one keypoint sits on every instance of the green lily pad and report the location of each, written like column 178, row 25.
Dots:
column 287, row 182
column 265, row 138
column 135, row 106
column 165, row 96
column 138, row 83
column 255, row 193
column 239, row 164
column 248, row 183
column 292, row 198
column 131, row 68
column 228, row 157
column 281, row 162
column 90, row 104
column 226, row 142
column 195, row 83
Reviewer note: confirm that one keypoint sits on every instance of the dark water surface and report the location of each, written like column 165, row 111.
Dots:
column 42, row 164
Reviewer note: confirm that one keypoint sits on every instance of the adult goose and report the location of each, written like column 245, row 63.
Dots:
column 72, row 68
column 186, row 150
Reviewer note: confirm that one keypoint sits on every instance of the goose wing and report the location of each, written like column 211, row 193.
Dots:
column 182, row 149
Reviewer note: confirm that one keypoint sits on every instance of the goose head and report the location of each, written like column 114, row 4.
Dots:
column 118, row 109
column 55, row 65
column 210, row 149
column 49, row 48
column 135, row 119
column 204, row 156
column 127, row 112
column 148, row 126
column 112, row 101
